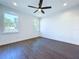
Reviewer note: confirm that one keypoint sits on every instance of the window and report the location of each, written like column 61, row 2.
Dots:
column 10, row 23
column 37, row 25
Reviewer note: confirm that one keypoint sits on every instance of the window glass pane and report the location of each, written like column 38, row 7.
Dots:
column 10, row 23
column 36, row 25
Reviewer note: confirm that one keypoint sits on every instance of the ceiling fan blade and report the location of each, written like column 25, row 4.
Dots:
column 35, row 11
column 40, row 3
column 32, row 6
column 46, row 7
column 42, row 11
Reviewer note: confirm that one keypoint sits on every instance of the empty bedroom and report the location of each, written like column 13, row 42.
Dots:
column 39, row 29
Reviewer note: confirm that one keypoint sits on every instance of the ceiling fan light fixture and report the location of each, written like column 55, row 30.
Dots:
column 39, row 9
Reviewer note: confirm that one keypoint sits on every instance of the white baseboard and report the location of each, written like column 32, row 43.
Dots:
column 13, row 41
column 74, row 43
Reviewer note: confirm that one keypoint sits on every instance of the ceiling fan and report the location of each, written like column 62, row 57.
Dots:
column 40, row 8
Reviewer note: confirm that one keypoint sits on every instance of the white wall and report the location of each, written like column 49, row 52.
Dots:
column 26, row 27
column 62, row 26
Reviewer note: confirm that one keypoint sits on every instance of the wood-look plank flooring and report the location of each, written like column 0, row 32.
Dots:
column 39, row 48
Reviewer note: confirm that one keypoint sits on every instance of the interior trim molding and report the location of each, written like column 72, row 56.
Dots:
column 19, row 41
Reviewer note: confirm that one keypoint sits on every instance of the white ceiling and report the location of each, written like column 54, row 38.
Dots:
column 56, row 5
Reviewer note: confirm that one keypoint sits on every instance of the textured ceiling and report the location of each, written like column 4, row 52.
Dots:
column 56, row 5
